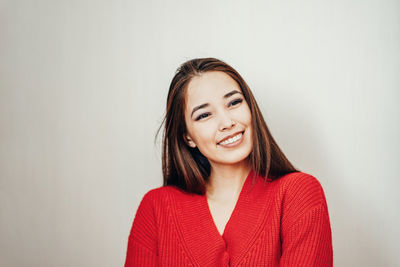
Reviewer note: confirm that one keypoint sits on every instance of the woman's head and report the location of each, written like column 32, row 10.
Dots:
column 212, row 118
column 217, row 119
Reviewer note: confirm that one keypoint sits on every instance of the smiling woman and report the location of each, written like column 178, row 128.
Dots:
column 230, row 196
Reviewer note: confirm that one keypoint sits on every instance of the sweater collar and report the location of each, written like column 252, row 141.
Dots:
column 196, row 226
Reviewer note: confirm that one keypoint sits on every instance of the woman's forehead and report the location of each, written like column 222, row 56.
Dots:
column 208, row 86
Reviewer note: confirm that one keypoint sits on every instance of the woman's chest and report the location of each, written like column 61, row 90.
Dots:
column 221, row 212
column 196, row 241
column 201, row 233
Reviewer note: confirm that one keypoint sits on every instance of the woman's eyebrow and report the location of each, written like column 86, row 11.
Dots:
column 231, row 93
column 199, row 107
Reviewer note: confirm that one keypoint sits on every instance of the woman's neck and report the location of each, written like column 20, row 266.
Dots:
column 227, row 180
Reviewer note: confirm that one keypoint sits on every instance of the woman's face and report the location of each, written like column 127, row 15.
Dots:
column 218, row 119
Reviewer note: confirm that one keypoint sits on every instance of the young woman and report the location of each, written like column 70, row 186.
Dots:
column 230, row 196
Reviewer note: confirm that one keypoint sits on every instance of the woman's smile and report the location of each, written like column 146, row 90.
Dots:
column 232, row 140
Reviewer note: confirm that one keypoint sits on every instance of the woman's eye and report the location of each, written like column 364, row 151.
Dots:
column 202, row 116
column 235, row 102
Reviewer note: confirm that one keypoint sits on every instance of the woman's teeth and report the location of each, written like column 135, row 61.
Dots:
column 231, row 140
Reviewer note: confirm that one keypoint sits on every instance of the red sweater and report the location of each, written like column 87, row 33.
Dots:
column 283, row 222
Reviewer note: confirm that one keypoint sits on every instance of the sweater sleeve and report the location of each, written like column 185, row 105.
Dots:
column 306, row 232
column 142, row 242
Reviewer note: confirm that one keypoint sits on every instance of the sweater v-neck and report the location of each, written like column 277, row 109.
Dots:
column 234, row 211
column 196, row 227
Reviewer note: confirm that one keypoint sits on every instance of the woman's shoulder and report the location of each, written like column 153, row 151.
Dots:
column 160, row 194
column 299, row 180
column 301, row 186
column 301, row 196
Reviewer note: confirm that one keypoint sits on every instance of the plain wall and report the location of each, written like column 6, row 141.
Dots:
column 83, row 86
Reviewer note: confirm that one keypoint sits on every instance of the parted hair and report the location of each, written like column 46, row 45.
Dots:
column 185, row 167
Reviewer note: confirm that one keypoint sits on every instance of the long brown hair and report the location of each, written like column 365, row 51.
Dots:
column 186, row 167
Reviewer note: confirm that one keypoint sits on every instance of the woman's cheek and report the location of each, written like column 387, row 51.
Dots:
column 205, row 132
column 241, row 115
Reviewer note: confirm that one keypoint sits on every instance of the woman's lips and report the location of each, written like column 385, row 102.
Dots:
column 233, row 140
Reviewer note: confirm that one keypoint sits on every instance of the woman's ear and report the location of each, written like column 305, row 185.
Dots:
column 189, row 140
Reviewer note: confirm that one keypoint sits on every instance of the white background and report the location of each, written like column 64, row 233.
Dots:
column 83, row 88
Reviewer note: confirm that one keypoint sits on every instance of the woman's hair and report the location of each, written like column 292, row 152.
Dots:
column 184, row 166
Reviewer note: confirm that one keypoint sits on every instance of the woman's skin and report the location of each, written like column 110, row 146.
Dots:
column 215, row 110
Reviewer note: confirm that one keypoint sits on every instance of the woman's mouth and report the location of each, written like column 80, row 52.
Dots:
column 232, row 141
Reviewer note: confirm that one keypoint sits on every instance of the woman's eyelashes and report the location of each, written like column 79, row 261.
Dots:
column 202, row 116
column 234, row 102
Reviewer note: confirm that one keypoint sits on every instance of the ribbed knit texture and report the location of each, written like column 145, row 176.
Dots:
column 283, row 222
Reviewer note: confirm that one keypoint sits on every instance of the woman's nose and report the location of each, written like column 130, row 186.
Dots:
column 226, row 122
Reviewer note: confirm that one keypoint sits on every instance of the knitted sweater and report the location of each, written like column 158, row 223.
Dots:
column 281, row 222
